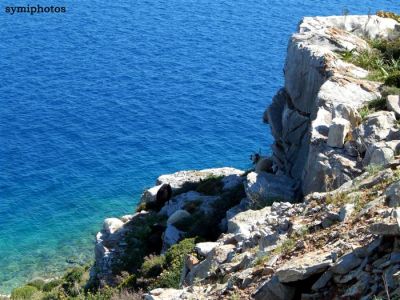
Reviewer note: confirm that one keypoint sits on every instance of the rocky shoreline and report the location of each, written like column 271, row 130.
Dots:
column 317, row 219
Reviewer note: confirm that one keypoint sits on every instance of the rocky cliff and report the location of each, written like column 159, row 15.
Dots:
column 318, row 219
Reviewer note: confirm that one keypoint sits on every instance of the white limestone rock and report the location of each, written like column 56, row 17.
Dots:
column 171, row 236
column 179, row 179
column 204, row 248
column 366, row 26
column 112, row 225
column 338, row 132
column 262, row 188
column 164, row 294
column 393, row 104
column 179, row 202
column 178, row 216
column 303, row 267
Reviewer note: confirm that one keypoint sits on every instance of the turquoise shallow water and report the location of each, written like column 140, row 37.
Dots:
column 97, row 102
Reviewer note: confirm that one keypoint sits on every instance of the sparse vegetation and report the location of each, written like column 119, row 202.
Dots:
column 382, row 60
column 373, row 106
column 373, row 169
column 27, row 292
column 388, row 14
column 212, row 185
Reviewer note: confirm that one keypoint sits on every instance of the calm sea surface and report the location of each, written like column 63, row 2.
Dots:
column 97, row 102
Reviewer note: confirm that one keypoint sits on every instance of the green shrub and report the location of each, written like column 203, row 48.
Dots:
column 137, row 239
column 153, row 266
column 389, row 90
column 129, row 282
column 382, row 61
column 373, row 106
column 393, row 79
column 174, row 262
column 50, row 285
column 26, row 292
column 53, row 295
column 212, row 185
column 37, row 283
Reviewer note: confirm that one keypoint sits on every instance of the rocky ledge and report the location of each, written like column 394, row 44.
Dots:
column 318, row 219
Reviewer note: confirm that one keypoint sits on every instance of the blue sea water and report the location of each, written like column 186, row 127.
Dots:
column 97, row 102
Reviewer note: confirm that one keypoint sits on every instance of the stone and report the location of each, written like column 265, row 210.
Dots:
column 338, row 132
column 179, row 202
column 376, row 127
column 213, row 261
column 393, row 194
column 383, row 228
column 348, row 113
column 393, row 104
column 381, row 156
column 232, row 181
column 346, row 263
column 272, row 289
column 164, row 294
column 351, row 148
column 358, row 288
column 365, row 26
column 327, row 168
column 322, row 281
column 171, row 236
column 204, row 248
column 263, row 188
column 370, row 182
column 186, row 179
column 127, row 218
column 242, row 224
column 345, row 212
column 178, row 216
column 301, row 268
column 112, row 225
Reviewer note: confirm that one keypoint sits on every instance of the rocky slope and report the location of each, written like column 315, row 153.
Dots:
column 318, row 219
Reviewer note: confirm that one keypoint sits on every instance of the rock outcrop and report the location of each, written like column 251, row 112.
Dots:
column 312, row 115
column 319, row 219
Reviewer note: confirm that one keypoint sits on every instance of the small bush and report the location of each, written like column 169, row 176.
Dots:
column 388, row 14
column 50, row 285
column 53, row 295
column 373, row 106
column 174, row 262
column 26, row 292
column 393, row 79
column 153, row 266
column 389, row 90
column 37, row 283
column 212, row 185
column 138, row 239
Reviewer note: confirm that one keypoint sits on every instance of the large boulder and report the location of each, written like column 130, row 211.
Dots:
column 393, row 194
column 182, row 179
column 112, row 225
column 263, row 188
column 338, row 132
column 393, row 104
column 304, row 267
column 273, row 289
column 215, row 258
column 375, row 128
column 182, row 201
